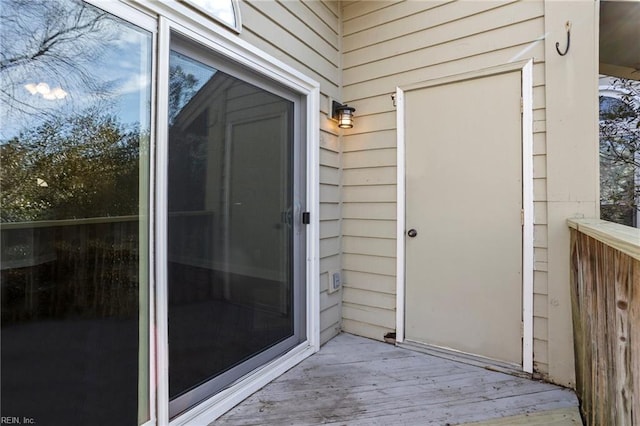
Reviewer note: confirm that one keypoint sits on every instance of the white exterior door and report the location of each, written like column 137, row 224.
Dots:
column 464, row 209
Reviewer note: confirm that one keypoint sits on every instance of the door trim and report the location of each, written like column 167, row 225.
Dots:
column 526, row 70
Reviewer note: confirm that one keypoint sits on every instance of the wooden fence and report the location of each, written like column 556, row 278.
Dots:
column 605, row 291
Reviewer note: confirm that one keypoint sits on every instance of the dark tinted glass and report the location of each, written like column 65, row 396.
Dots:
column 75, row 103
column 230, row 223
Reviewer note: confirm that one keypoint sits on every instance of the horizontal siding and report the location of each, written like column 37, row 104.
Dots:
column 329, row 10
column 318, row 53
column 360, row 89
column 392, row 44
column 368, row 141
column 329, row 228
column 370, row 246
column 369, row 176
column 380, row 317
column 330, row 246
column 367, row 263
column 371, row 228
column 374, row 299
column 306, row 35
column 329, row 175
column 541, row 282
column 329, row 158
column 497, row 40
column 329, row 211
column 372, row 282
column 372, row 210
column 406, row 20
column 319, row 20
column 369, row 158
column 268, row 33
column 330, row 263
column 369, row 193
column 369, row 14
column 387, row 44
column 330, row 193
column 365, row 329
column 541, row 357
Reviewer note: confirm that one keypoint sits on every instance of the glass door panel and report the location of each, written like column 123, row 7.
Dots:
column 75, row 105
column 232, row 238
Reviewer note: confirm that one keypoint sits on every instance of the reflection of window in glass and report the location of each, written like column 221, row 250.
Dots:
column 74, row 89
column 233, row 304
column 222, row 10
column 620, row 151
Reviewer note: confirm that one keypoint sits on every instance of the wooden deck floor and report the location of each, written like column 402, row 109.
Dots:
column 357, row 381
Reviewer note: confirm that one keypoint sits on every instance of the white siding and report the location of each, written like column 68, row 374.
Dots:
column 306, row 35
column 388, row 44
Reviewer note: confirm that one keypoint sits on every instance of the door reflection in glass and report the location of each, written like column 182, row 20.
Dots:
column 230, row 229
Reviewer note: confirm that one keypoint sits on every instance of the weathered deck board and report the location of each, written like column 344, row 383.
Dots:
column 559, row 417
column 357, row 381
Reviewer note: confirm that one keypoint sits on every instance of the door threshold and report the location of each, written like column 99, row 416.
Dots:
column 465, row 358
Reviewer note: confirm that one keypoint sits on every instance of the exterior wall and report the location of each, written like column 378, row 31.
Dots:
column 306, row 36
column 388, row 44
column 572, row 144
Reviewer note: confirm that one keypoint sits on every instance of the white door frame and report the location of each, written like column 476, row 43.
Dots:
column 526, row 69
column 175, row 17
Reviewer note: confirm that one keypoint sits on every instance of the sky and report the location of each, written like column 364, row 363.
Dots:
column 110, row 67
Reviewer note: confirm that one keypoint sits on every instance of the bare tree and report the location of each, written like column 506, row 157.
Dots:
column 55, row 41
column 620, row 152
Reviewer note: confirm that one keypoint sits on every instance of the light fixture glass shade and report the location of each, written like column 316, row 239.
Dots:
column 345, row 118
column 343, row 114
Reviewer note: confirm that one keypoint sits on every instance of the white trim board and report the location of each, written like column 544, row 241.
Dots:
column 161, row 220
column 526, row 69
column 528, row 217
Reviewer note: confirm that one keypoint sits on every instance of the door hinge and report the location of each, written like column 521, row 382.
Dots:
column 521, row 105
column 521, row 217
column 522, row 329
column 306, row 218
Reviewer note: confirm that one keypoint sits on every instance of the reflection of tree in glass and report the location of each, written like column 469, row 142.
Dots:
column 182, row 87
column 51, row 42
column 64, row 153
column 620, row 152
column 82, row 166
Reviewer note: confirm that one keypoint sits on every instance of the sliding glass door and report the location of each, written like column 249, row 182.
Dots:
column 128, row 239
column 235, row 267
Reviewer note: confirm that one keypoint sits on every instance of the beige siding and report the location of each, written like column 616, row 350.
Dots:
column 306, row 35
column 388, row 44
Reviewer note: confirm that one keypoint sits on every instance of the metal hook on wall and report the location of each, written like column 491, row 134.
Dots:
column 568, row 27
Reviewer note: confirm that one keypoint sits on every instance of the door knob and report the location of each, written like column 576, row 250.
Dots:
column 412, row 233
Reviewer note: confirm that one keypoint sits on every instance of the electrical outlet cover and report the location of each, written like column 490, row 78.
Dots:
column 335, row 281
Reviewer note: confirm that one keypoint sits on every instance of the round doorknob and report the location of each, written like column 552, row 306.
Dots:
column 412, row 233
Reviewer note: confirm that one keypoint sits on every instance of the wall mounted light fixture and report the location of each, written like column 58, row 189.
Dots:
column 343, row 114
